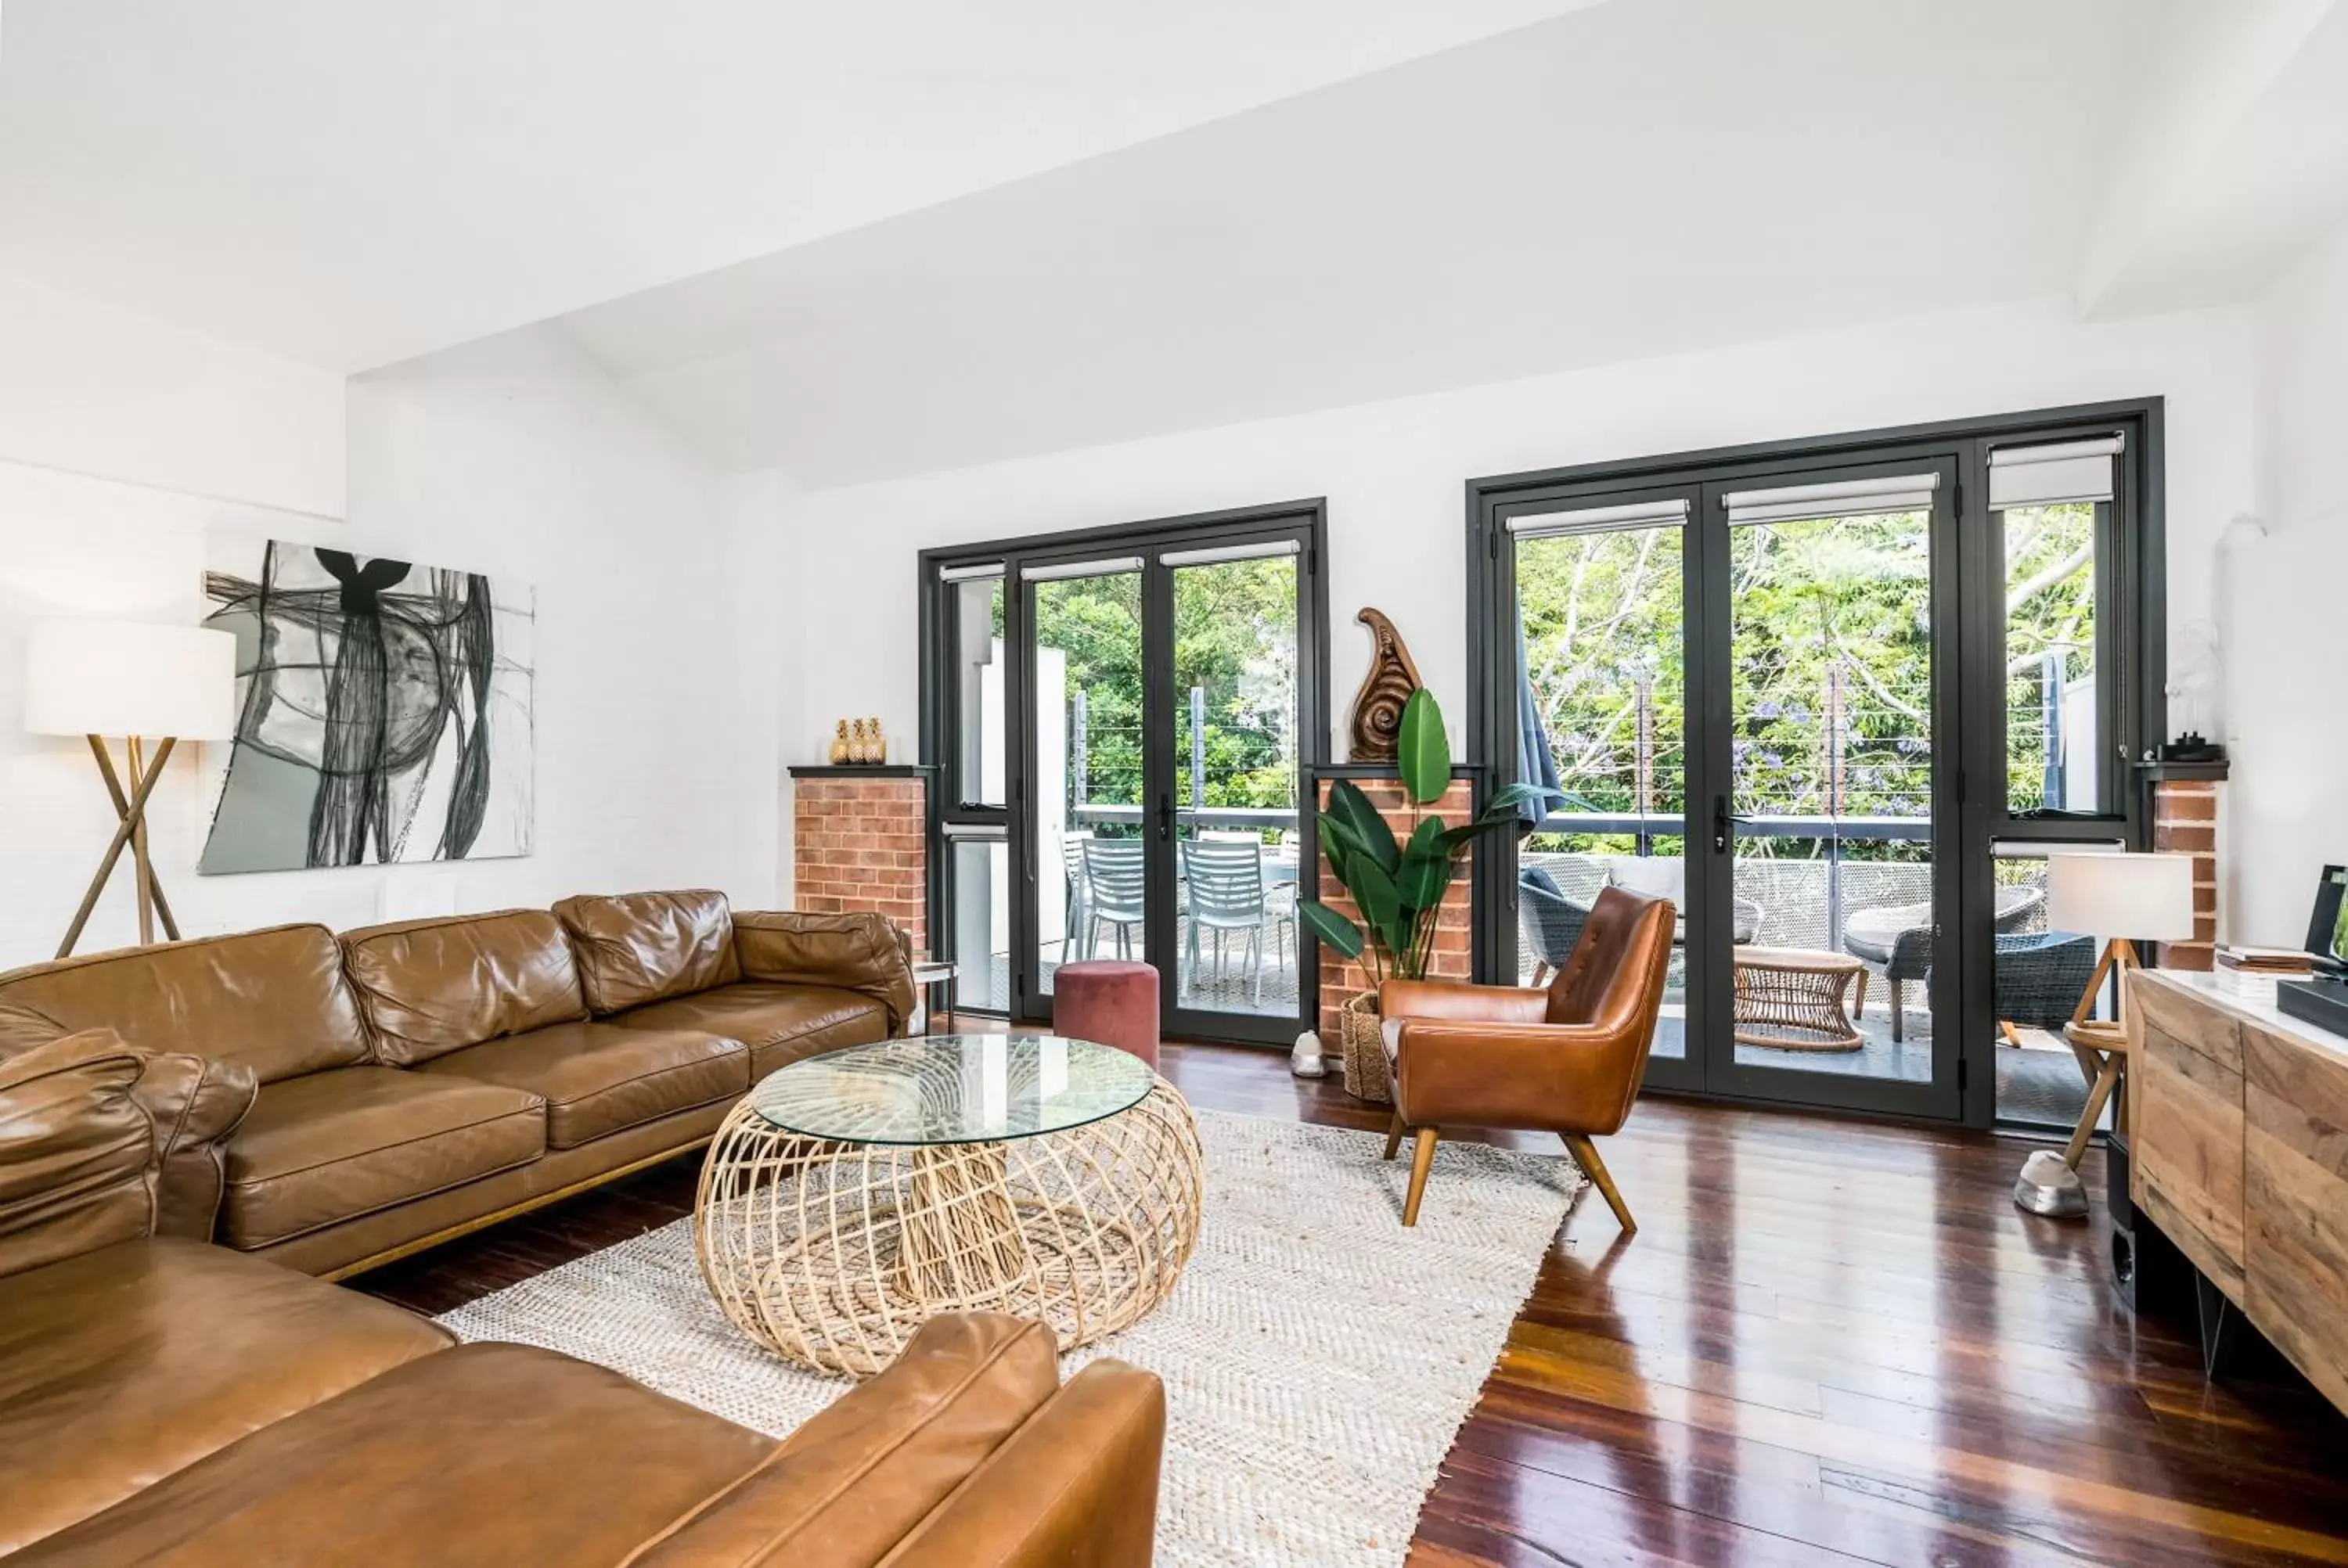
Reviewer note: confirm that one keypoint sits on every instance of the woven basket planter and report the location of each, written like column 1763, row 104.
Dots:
column 1365, row 1050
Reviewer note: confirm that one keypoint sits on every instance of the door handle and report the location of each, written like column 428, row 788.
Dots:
column 1721, row 821
column 1165, row 818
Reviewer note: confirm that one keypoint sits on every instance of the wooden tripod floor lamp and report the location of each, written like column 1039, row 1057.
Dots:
column 148, row 685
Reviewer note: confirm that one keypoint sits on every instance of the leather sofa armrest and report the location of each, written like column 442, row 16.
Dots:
column 1457, row 998
column 78, row 1163
column 1076, row 1483
column 197, row 1103
column 858, row 952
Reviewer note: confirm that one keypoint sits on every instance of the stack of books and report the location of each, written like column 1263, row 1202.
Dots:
column 2279, row 963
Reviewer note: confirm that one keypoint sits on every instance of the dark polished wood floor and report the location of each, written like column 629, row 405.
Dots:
column 1830, row 1342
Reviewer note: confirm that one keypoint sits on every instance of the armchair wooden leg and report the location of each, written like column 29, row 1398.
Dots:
column 1420, row 1160
column 1395, row 1130
column 1585, row 1154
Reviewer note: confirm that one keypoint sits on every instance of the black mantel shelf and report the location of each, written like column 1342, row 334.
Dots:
column 861, row 770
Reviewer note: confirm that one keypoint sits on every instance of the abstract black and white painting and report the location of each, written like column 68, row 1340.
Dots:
column 383, row 712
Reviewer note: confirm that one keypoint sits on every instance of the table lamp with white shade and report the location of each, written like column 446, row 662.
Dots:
column 2119, row 898
column 149, row 685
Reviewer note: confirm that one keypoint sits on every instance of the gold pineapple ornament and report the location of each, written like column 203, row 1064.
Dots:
column 879, row 742
column 858, row 748
column 839, row 744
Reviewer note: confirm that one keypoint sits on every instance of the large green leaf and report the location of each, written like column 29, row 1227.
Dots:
column 1372, row 839
column 1425, row 866
column 1513, row 795
column 1343, row 938
column 1374, row 889
column 1422, row 751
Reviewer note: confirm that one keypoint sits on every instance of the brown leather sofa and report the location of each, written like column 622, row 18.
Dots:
column 162, row 1400
column 364, row 1096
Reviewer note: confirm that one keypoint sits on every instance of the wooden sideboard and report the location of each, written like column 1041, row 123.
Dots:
column 2238, row 1135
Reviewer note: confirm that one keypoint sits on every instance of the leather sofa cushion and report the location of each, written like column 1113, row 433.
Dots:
column 78, row 1158
column 273, row 1000
column 781, row 1024
column 599, row 1078
column 485, row 1456
column 847, row 1487
column 428, row 986
column 636, row 947
column 121, row 1366
column 338, row 1144
column 23, row 1028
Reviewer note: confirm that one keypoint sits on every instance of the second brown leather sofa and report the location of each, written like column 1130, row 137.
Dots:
column 369, row 1095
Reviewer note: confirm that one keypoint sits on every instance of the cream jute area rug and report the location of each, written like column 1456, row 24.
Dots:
column 1318, row 1357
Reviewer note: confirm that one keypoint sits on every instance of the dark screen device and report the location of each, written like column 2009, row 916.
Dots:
column 2327, row 938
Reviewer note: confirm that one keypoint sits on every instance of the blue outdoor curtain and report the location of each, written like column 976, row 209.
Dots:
column 1536, row 764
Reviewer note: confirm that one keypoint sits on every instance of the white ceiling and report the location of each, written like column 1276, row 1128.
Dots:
column 1624, row 181
column 861, row 238
column 355, row 181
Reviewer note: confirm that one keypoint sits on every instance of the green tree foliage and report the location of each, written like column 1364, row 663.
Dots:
column 1832, row 662
column 1234, row 637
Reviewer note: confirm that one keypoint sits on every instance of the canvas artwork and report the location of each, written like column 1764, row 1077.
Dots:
column 384, row 713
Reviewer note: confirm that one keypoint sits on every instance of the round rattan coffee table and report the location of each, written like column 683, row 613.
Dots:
column 851, row 1196
column 1791, row 998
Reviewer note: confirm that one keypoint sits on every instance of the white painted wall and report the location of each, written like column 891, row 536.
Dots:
column 658, row 691
column 92, row 389
column 1393, row 472
column 2287, row 806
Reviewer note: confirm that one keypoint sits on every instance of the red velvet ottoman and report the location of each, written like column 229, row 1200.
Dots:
column 1108, row 1001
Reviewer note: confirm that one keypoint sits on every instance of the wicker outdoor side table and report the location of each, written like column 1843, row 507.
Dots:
column 1791, row 998
column 851, row 1196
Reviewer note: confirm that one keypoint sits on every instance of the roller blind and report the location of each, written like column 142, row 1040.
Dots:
column 970, row 573
column 1842, row 498
column 1591, row 519
column 1215, row 553
column 2062, row 471
column 1108, row 567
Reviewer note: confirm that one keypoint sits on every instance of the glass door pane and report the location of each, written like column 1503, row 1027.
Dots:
column 1831, row 816
column 1086, row 704
column 1235, row 782
column 1601, row 611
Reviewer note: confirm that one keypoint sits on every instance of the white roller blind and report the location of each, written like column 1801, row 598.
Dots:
column 2063, row 471
column 1592, row 519
column 1842, row 498
column 1214, row 555
column 970, row 573
column 1079, row 568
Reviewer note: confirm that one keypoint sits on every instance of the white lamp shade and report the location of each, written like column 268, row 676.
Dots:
column 84, row 677
column 2133, row 895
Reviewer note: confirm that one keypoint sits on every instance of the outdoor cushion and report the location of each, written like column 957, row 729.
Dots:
column 598, row 1078
column 335, row 1145
column 781, row 1024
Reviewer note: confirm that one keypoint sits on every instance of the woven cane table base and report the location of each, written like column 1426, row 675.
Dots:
column 1791, row 999
column 832, row 1254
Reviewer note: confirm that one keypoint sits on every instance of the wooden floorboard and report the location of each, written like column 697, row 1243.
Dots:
column 1830, row 1342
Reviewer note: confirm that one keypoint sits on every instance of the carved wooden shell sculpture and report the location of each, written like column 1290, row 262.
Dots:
column 1377, row 706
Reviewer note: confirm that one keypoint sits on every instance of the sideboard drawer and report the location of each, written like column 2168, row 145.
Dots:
column 2295, row 1181
column 2185, row 1136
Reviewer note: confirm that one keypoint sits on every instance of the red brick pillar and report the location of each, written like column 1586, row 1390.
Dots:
column 859, row 841
column 2184, row 821
column 1342, row 980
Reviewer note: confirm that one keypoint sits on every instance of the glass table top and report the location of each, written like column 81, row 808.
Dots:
column 951, row 1089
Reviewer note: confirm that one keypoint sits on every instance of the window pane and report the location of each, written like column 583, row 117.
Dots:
column 1087, row 700
column 978, row 681
column 1604, row 650
column 2053, row 737
column 982, row 924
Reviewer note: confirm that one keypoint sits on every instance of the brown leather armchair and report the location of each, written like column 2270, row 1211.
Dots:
column 1564, row 1060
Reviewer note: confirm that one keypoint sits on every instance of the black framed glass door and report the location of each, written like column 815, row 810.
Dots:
column 1828, row 730
column 1764, row 678
column 1162, row 688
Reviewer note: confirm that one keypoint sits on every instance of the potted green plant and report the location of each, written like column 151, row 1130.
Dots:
column 1397, row 882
